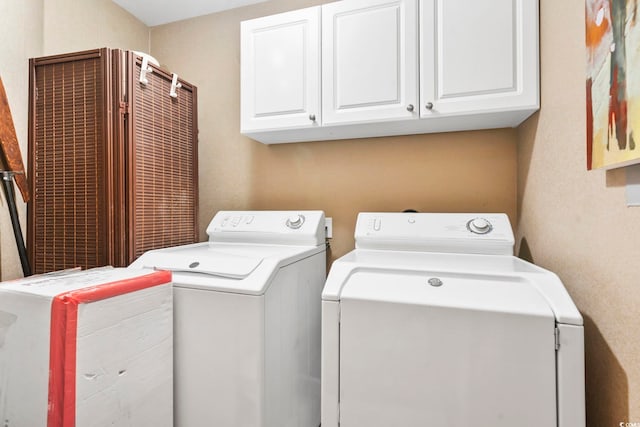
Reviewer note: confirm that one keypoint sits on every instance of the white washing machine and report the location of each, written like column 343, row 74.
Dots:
column 247, row 320
column 431, row 321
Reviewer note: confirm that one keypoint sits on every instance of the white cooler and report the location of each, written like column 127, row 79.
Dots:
column 86, row 348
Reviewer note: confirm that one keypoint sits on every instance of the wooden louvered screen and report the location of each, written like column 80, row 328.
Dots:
column 112, row 163
column 163, row 168
column 68, row 221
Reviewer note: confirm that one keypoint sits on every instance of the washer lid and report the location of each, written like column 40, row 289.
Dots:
column 226, row 267
column 450, row 290
column 211, row 263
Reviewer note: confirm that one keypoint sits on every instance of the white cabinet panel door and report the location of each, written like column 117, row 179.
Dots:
column 280, row 71
column 477, row 57
column 369, row 60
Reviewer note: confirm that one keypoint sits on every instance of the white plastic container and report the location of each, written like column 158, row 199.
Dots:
column 87, row 348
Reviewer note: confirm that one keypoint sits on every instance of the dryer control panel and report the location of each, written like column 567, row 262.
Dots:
column 273, row 227
column 478, row 233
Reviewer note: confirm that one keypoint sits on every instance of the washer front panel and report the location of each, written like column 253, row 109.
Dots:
column 416, row 366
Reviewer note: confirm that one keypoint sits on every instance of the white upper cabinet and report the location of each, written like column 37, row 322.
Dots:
column 368, row 68
column 369, row 61
column 478, row 56
column 280, row 71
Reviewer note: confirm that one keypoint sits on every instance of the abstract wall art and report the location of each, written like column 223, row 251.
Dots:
column 613, row 83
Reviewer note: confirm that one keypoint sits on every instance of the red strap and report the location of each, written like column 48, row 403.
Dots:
column 62, row 351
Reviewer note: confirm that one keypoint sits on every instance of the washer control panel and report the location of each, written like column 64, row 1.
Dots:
column 485, row 233
column 278, row 227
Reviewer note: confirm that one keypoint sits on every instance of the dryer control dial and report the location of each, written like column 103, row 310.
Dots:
column 479, row 226
column 295, row 221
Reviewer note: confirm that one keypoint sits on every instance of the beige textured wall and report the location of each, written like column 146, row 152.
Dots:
column 576, row 223
column 472, row 171
column 20, row 38
column 31, row 28
column 74, row 25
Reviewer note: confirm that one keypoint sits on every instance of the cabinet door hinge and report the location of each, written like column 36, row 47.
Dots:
column 557, row 338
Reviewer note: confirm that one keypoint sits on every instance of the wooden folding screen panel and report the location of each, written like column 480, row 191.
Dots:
column 112, row 162
column 163, row 195
column 69, row 157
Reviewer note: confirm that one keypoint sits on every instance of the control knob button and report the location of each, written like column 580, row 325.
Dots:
column 479, row 226
column 295, row 221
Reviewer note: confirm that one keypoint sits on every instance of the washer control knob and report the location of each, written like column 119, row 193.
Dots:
column 479, row 226
column 295, row 221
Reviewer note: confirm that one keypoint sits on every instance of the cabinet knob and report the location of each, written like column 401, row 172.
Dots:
column 312, row 117
column 410, row 107
column 429, row 106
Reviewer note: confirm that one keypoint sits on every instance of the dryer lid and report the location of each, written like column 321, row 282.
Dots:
column 211, row 263
column 476, row 292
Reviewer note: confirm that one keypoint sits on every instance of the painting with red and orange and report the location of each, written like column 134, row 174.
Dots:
column 613, row 83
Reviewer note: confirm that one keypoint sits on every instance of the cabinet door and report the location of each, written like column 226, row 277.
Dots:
column 476, row 57
column 280, row 71
column 369, row 60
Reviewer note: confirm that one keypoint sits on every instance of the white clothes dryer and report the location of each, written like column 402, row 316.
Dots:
column 431, row 321
column 247, row 320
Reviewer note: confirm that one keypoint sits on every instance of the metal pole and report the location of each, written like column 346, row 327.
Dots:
column 7, row 180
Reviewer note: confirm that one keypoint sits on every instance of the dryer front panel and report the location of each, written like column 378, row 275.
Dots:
column 416, row 364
